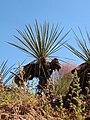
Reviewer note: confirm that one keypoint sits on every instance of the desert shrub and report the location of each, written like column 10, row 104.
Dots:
column 74, row 100
column 62, row 85
column 64, row 78
column 13, row 96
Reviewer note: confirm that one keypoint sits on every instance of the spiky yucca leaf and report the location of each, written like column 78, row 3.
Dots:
column 83, row 44
column 4, row 72
column 41, row 42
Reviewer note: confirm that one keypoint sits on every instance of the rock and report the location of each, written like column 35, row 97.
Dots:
column 4, row 116
column 30, row 117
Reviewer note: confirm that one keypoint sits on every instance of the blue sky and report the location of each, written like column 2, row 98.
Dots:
column 14, row 14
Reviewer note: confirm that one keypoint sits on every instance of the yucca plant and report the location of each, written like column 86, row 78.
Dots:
column 5, row 74
column 83, row 53
column 40, row 44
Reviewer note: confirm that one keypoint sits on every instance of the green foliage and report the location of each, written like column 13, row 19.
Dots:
column 5, row 75
column 83, row 45
column 49, row 105
column 15, row 96
column 64, row 78
column 62, row 84
column 41, row 42
column 75, row 99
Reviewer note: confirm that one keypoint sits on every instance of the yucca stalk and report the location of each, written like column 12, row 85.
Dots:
column 40, row 44
column 19, row 74
column 5, row 72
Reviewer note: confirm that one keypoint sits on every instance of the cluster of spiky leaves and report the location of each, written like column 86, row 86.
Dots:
column 83, row 44
column 41, row 42
column 5, row 72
